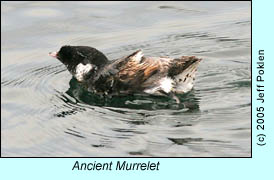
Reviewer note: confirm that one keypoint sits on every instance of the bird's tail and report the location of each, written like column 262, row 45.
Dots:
column 183, row 71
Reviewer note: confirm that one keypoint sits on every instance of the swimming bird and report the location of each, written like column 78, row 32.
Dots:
column 130, row 74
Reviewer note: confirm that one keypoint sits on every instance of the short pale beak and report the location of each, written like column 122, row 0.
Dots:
column 53, row 54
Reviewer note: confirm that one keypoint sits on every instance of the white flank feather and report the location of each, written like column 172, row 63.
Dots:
column 138, row 56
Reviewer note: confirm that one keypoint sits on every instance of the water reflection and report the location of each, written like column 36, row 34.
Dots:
column 79, row 95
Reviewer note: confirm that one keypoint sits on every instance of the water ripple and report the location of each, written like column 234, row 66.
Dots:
column 45, row 112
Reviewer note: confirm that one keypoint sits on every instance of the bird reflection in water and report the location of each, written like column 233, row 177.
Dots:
column 188, row 101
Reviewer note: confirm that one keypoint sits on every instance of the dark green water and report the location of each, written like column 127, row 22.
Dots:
column 44, row 112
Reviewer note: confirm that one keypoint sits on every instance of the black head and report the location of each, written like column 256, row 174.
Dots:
column 71, row 56
column 66, row 54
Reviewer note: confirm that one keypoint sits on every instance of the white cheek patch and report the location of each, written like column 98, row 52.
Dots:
column 81, row 70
